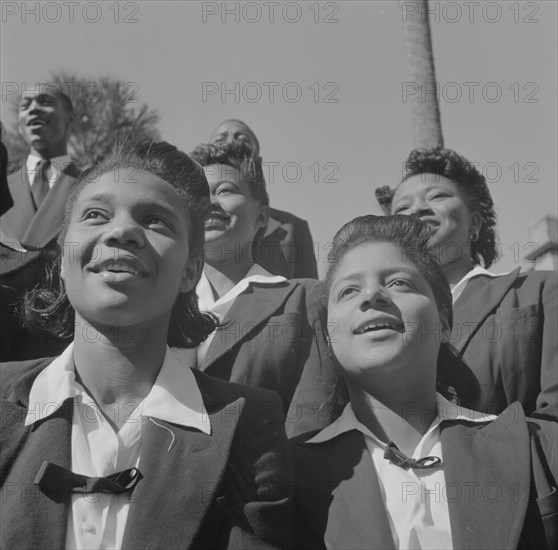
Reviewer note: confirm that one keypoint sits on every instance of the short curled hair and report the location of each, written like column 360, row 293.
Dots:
column 48, row 307
column 240, row 156
column 410, row 235
column 452, row 166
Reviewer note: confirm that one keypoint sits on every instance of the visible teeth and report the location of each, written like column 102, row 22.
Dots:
column 120, row 266
column 376, row 326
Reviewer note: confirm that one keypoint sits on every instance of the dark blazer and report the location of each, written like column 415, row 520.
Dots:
column 32, row 227
column 287, row 247
column 274, row 338
column 224, row 490
column 501, row 475
column 506, row 328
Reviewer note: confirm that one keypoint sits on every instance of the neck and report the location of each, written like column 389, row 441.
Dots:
column 118, row 367
column 50, row 152
column 399, row 413
column 455, row 271
column 223, row 277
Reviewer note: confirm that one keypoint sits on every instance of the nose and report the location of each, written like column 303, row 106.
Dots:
column 123, row 231
column 375, row 296
column 420, row 208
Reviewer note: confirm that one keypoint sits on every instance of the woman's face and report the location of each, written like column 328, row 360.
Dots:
column 235, row 215
column 382, row 315
column 440, row 204
column 126, row 256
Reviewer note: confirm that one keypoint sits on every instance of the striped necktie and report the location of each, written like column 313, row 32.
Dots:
column 40, row 186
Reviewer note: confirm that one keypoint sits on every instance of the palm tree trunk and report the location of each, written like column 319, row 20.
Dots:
column 422, row 90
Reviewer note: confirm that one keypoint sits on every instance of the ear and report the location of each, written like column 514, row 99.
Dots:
column 446, row 331
column 191, row 275
column 262, row 218
column 476, row 222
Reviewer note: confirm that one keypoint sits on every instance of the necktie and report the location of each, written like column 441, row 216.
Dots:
column 60, row 480
column 395, row 456
column 40, row 186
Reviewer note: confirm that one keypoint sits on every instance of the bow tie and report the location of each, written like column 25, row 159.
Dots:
column 395, row 456
column 60, row 480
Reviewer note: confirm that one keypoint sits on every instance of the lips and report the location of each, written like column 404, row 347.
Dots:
column 126, row 266
column 373, row 325
column 216, row 219
column 430, row 222
column 37, row 121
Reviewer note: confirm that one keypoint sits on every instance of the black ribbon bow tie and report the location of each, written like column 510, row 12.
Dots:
column 395, row 456
column 60, row 480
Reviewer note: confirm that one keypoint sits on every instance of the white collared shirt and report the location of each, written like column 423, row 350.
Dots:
column 475, row 272
column 416, row 500
column 256, row 274
column 98, row 520
column 57, row 166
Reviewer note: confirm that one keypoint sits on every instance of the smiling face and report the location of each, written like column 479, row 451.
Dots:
column 384, row 314
column 126, row 251
column 234, row 130
column 44, row 122
column 235, row 217
column 439, row 203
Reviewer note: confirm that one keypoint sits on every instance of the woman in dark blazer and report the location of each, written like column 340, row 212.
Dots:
column 272, row 330
column 115, row 443
column 504, row 325
column 406, row 465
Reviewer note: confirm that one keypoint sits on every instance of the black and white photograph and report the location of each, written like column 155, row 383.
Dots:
column 279, row 275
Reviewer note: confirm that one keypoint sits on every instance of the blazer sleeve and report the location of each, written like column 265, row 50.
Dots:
column 258, row 497
column 547, row 401
column 312, row 406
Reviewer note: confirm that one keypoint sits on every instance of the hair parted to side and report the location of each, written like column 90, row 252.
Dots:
column 410, row 235
column 240, row 156
column 48, row 307
column 452, row 166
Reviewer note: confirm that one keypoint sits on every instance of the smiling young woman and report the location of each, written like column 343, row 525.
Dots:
column 117, row 404
column 504, row 325
column 396, row 468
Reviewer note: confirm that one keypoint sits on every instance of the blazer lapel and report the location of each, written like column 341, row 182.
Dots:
column 23, row 451
column 480, row 296
column 249, row 311
column 46, row 223
column 181, row 468
column 355, row 514
column 16, row 220
column 487, row 476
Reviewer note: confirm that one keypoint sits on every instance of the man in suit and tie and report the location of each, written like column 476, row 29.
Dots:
column 287, row 248
column 40, row 187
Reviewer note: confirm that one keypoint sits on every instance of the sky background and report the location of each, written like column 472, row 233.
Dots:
column 337, row 125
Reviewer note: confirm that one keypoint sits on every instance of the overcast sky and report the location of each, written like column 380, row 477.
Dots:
column 322, row 85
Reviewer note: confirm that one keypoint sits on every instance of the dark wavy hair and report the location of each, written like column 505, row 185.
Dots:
column 48, row 308
column 455, row 380
column 240, row 156
column 452, row 166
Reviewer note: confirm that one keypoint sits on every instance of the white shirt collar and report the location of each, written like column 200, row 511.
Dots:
column 475, row 272
column 256, row 274
column 446, row 411
column 175, row 396
column 60, row 162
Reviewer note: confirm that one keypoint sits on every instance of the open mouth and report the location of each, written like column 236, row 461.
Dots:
column 126, row 267
column 37, row 122
column 374, row 326
column 216, row 219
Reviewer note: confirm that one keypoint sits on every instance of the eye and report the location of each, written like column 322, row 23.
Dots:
column 94, row 214
column 400, row 209
column 400, row 283
column 347, row 291
column 438, row 196
column 158, row 222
